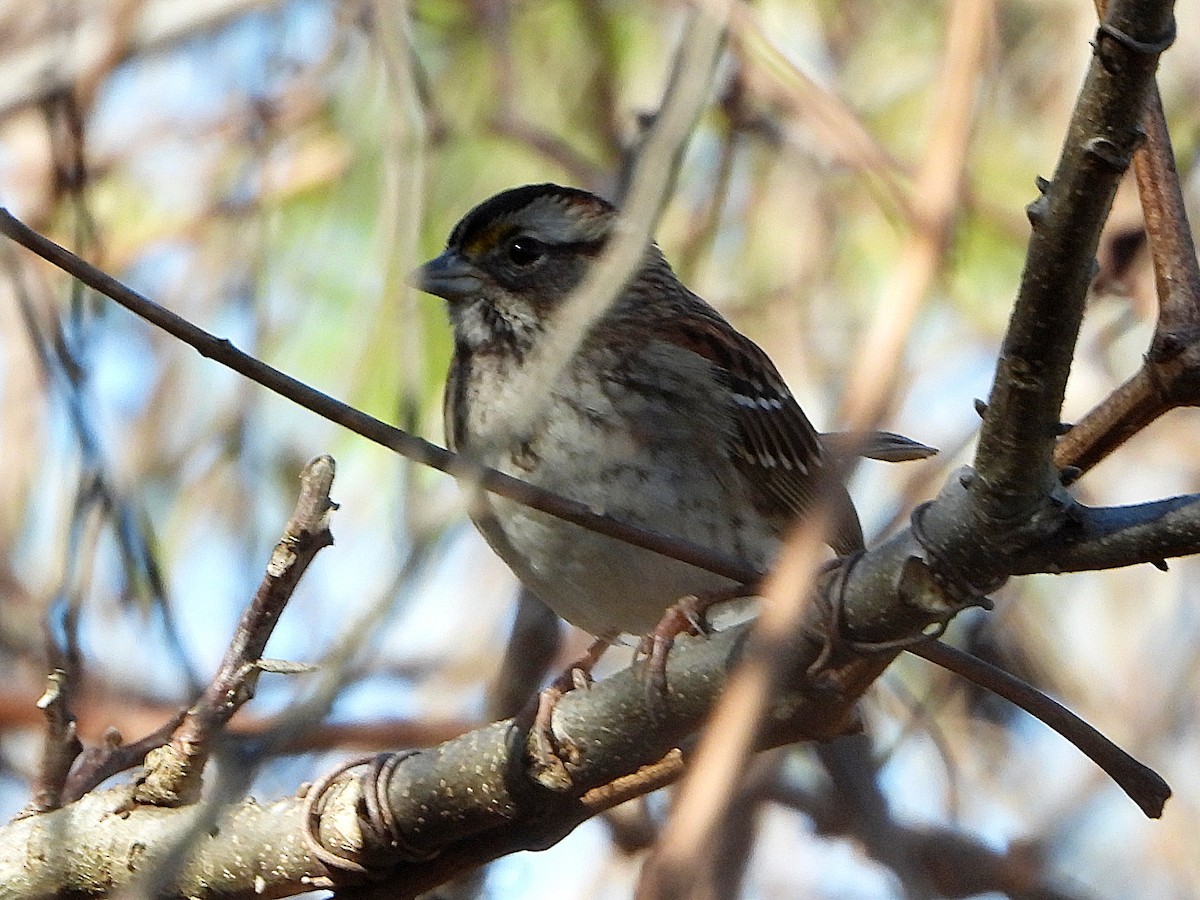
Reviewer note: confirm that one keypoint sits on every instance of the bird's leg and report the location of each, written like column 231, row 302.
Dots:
column 543, row 746
column 577, row 675
column 688, row 615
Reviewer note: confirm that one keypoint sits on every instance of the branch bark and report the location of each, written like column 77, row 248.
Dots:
column 1013, row 500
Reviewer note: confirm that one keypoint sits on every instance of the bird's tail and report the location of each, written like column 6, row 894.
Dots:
column 881, row 445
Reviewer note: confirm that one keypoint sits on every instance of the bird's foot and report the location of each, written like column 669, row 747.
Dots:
column 688, row 615
column 549, row 755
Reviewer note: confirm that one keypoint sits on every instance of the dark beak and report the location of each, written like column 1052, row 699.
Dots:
column 448, row 276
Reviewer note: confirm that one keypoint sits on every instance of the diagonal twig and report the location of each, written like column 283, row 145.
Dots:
column 1016, row 444
column 874, row 376
column 174, row 770
column 1142, row 784
column 1170, row 373
column 407, row 445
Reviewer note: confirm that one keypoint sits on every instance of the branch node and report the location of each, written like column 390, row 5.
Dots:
column 920, row 595
column 1132, row 44
column 61, row 744
column 936, row 576
column 382, row 844
column 1068, row 475
column 1105, row 151
column 171, row 778
column 1169, row 343
column 1038, row 210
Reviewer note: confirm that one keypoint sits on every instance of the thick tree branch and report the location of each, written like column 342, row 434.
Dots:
column 100, row 843
column 1013, row 500
column 486, row 803
column 1014, row 465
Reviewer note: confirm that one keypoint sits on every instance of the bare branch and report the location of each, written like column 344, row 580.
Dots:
column 1170, row 373
column 1117, row 536
column 98, row 764
column 174, row 770
column 685, row 862
column 1014, row 463
column 488, row 805
column 407, row 445
column 1142, row 784
column 61, row 744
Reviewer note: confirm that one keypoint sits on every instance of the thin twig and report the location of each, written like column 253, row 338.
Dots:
column 1143, row 785
column 60, row 747
column 1170, row 373
column 684, row 862
column 407, row 445
column 173, row 772
column 113, row 756
column 838, row 126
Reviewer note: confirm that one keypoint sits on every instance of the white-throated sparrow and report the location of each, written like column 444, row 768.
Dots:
column 665, row 417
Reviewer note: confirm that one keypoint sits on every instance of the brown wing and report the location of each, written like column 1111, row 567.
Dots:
column 775, row 445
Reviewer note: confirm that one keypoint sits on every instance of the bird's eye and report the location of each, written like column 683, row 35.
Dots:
column 523, row 250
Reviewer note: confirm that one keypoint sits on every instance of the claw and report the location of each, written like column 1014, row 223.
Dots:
column 688, row 615
column 549, row 755
column 580, row 679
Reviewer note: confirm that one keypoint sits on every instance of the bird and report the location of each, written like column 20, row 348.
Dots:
column 665, row 416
